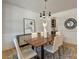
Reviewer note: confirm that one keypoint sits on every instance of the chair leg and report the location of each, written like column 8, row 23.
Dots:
column 63, row 49
column 59, row 53
column 36, row 50
column 53, row 56
column 35, row 57
column 33, row 47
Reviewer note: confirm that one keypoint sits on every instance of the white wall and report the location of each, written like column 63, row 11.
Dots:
column 13, row 23
column 70, row 35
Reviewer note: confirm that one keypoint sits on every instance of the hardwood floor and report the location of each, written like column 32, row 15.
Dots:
column 6, row 53
column 74, row 50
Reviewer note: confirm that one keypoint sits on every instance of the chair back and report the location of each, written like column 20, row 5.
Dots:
column 34, row 35
column 55, row 43
column 19, row 53
column 58, row 33
column 42, row 33
column 59, row 40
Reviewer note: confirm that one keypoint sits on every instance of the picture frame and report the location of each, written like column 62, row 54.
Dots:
column 29, row 25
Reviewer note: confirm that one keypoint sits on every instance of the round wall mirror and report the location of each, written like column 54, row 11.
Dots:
column 70, row 23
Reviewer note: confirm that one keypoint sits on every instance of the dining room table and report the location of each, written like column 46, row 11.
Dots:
column 40, row 41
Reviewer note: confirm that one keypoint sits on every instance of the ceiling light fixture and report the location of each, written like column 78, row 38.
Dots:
column 44, row 13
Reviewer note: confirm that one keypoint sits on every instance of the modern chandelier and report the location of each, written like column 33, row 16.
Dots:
column 44, row 14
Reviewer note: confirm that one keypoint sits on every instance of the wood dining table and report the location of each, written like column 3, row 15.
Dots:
column 40, row 42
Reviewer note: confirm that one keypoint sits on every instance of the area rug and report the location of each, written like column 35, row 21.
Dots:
column 67, row 54
column 47, row 55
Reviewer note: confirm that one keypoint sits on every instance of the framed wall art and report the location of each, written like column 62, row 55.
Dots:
column 29, row 25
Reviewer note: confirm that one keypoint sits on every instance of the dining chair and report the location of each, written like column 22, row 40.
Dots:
column 35, row 34
column 59, row 33
column 53, row 48
column 60, row 38
column 28, row 53
column 42, row 33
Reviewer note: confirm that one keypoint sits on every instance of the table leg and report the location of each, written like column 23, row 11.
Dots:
column 42, row 52
column 33, row 47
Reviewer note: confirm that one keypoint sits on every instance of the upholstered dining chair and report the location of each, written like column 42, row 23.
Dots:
column 42, row 33
column 52, row 48
column 28, row 53
column 35, row 34
column 60, row 38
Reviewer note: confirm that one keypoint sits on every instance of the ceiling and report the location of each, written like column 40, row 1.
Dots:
column 38, row 5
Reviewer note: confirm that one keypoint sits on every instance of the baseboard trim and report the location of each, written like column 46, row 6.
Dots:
column 70, row 44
